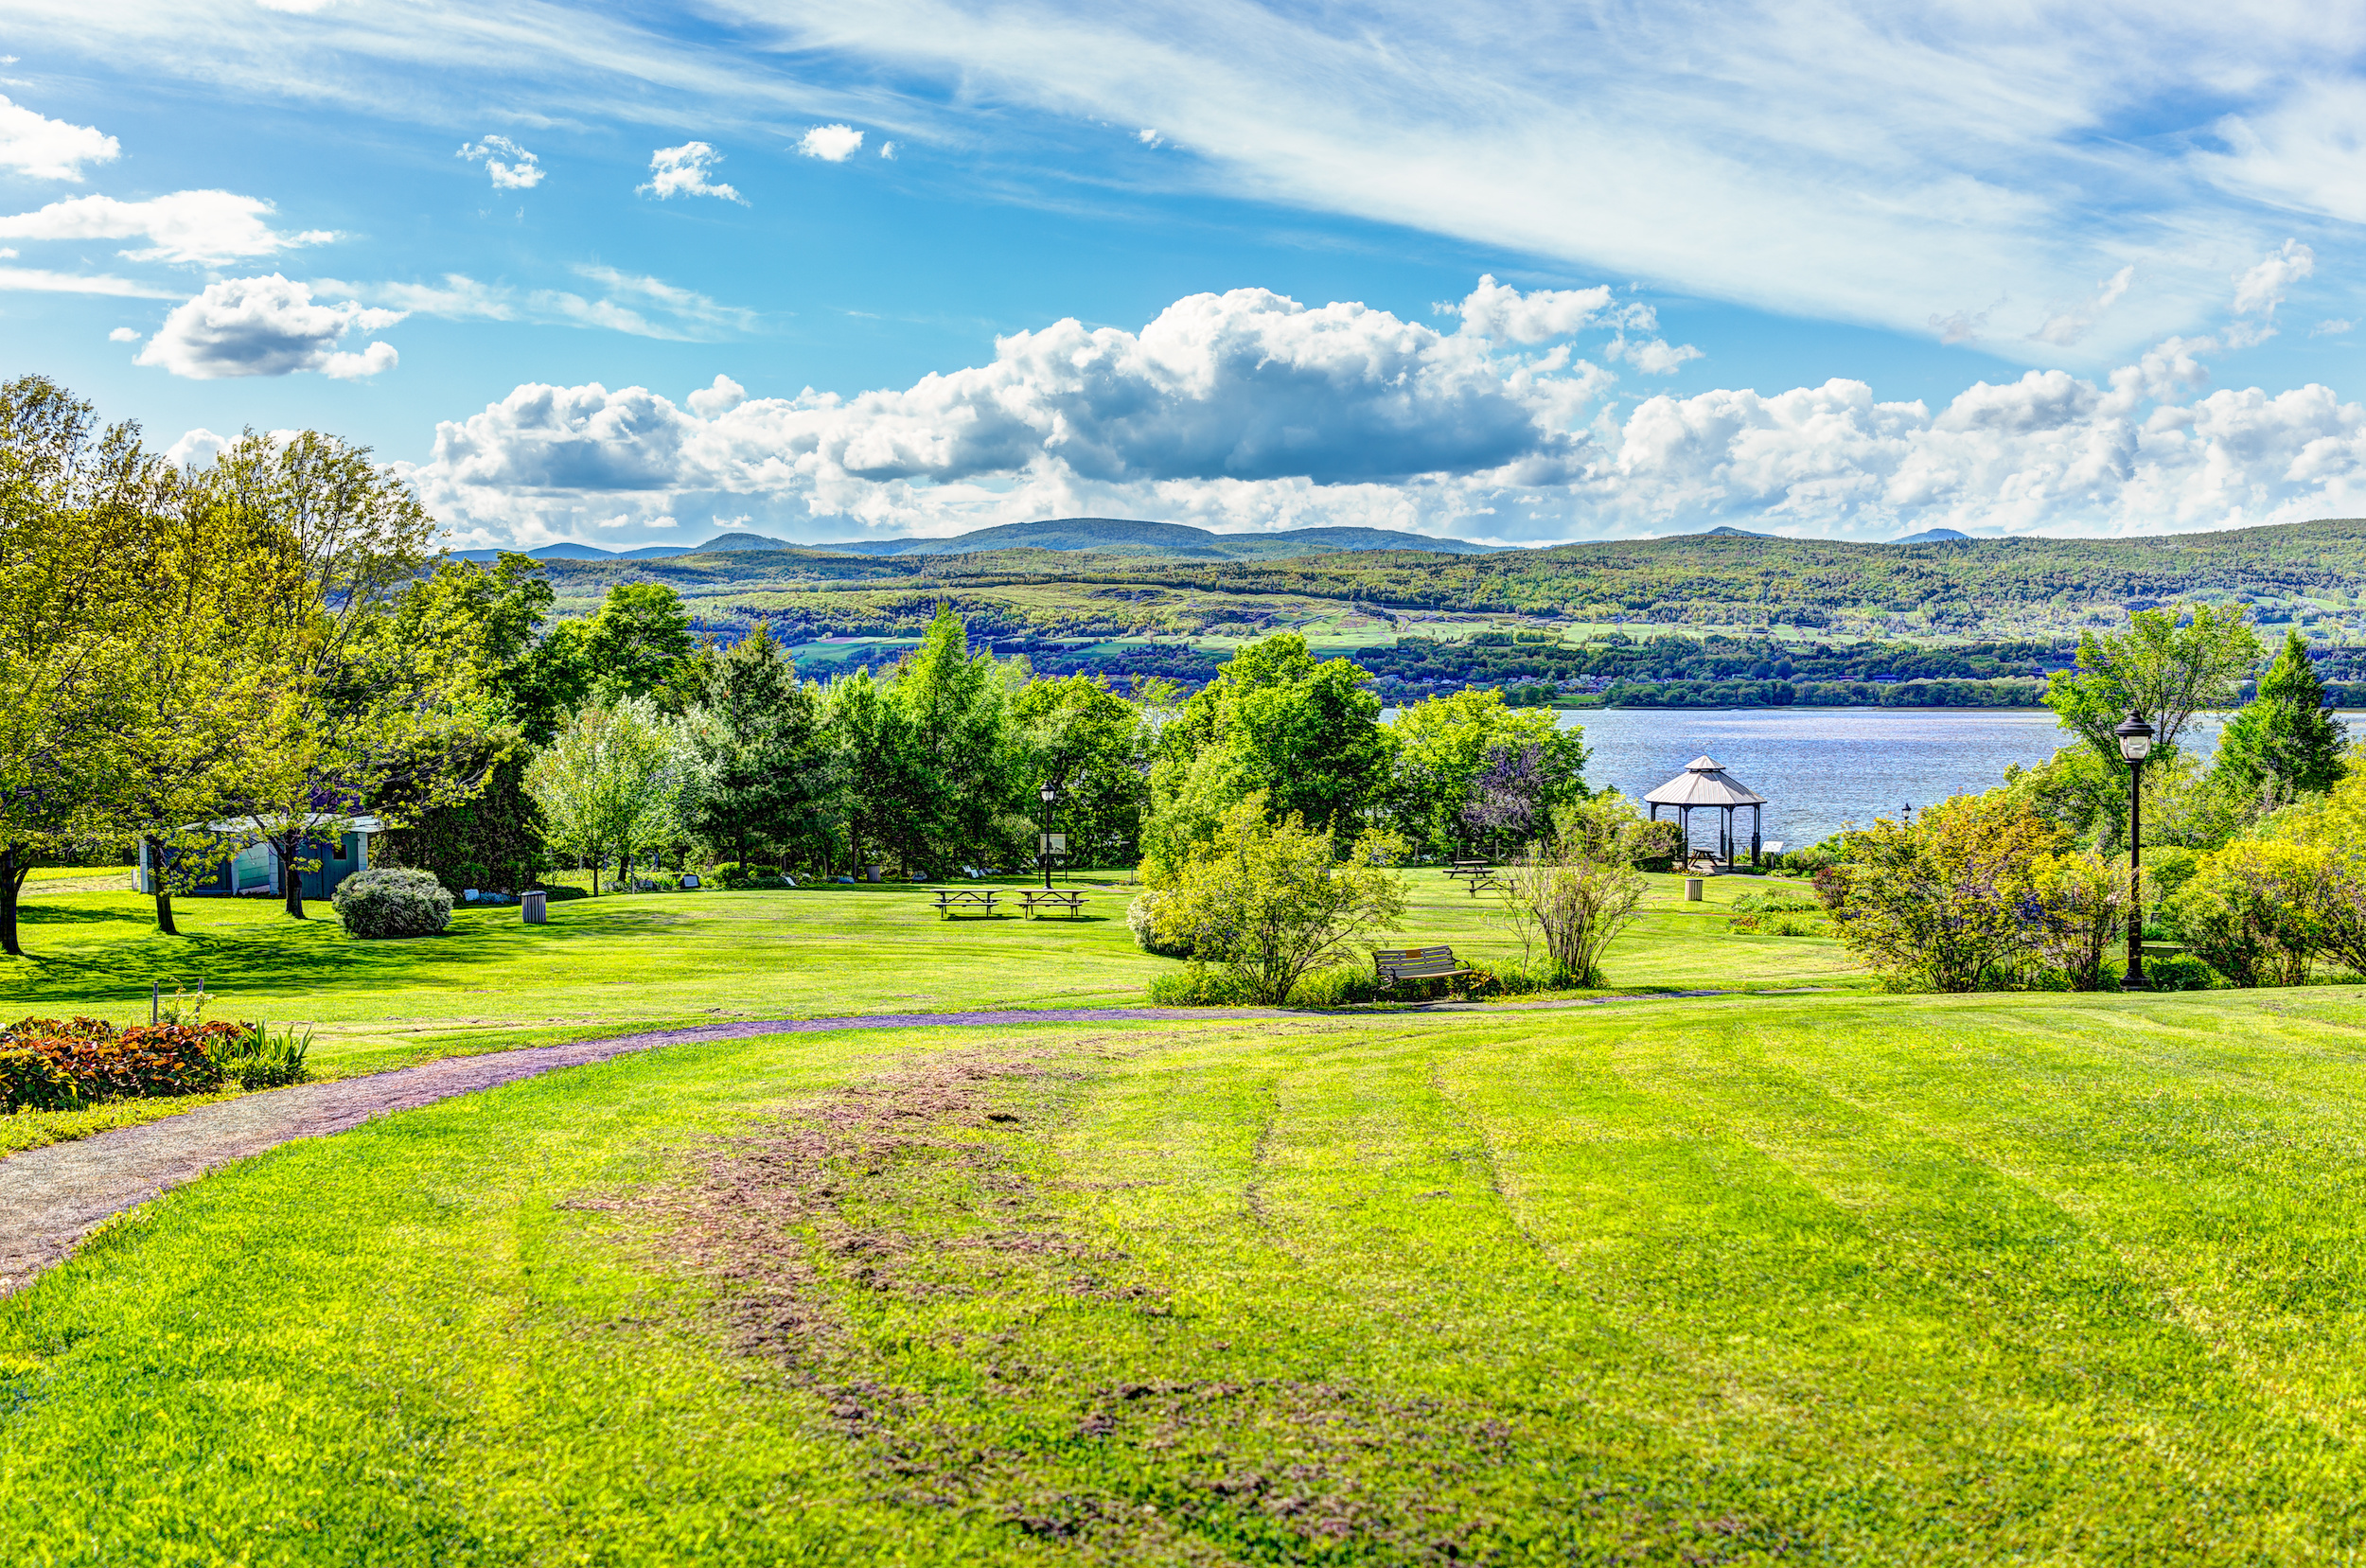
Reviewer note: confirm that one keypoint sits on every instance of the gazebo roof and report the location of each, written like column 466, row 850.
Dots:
column 1704, row 783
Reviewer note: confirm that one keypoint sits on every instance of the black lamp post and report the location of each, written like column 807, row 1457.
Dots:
column 1047, row 793
column 2135, row 745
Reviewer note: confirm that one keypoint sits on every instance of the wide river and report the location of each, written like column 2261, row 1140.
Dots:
column 1823, row 768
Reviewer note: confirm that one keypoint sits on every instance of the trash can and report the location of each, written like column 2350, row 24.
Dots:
column 1692, row 890
column 531, row 903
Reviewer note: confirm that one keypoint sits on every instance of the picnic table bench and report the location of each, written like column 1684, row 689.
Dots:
column 955, row 901
column 1034, row 898
column 1392, row 964
column 1478, row 874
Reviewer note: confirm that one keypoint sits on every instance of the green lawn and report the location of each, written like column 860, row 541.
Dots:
column 636, row 959
column 1830, row 1279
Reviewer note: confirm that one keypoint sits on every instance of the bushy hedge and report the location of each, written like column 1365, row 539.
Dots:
column 1142, row 919
column 392, row 901
column 47, row 1063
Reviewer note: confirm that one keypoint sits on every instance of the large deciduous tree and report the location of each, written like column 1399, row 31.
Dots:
column 2168, row 665
column 604, row 783
column 360, row 709
column 76, row 504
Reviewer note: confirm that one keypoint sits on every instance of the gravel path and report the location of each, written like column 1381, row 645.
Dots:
column 52, row 1196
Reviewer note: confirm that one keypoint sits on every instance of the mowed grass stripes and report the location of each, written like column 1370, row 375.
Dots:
column 1859, row 1280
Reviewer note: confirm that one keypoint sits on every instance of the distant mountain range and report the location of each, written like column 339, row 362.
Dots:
column 1932, row 535
column 1113, row 536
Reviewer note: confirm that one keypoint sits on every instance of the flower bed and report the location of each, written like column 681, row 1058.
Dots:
column 47, row 1063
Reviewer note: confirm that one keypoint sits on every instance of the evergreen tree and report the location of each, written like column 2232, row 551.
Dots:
column 756, row 767
column 2283, row 743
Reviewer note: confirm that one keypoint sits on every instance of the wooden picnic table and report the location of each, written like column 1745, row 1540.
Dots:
column 1035, row 897
column 1478, row 874
column 956, row 901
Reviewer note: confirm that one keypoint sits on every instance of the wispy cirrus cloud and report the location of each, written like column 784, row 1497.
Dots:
column 1827, row 159
column 634, row 304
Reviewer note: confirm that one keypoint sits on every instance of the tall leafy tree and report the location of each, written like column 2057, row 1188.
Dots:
column 2283, row 743
column 76, row 508
column 604, row 783
column 1096, row 744
column 886, row 779
column 2164, row 670
column 640, row 644
column 355, row 711
column 489, row 619
column 965, row 780
column 206, row 584
column 1303, row 734
column 1444, row 745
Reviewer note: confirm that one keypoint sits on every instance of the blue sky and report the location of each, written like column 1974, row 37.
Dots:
column 1811, row 268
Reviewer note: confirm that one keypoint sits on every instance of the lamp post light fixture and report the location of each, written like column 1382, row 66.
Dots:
column 1048, row 792
column 2135, row 745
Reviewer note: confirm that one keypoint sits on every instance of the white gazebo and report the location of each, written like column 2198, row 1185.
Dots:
column 1704, row 785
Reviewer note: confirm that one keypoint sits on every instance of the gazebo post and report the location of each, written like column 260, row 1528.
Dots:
column 1758, row 814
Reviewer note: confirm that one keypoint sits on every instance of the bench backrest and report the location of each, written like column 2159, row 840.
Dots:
column 1414, row 962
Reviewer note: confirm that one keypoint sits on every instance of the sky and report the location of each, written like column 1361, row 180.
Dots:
column 1516, row 273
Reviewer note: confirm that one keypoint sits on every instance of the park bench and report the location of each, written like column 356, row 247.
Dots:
column 1392, row 964
column 1073, row 903
column 955, row 901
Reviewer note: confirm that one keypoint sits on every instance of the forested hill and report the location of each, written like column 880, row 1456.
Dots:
column 1956, row 585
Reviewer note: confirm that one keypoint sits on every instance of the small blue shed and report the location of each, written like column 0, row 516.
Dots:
column 255, row 869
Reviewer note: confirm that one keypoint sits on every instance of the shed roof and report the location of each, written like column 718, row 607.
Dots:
column 1704, row 783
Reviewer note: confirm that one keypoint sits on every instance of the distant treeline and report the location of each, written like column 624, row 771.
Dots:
column 1790, row 582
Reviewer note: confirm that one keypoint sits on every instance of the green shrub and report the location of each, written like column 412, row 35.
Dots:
column 1345, row 986
column 2255, row 910
column 1141, row 918
column 259, row 1059
column 392, row 901
column 31, row 1081
column 1197, row 985
column 1779, row 900
column 2180, row 972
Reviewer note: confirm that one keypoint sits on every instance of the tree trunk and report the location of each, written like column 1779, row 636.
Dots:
column 164, row 890
column 289, row 878
column 14, row 863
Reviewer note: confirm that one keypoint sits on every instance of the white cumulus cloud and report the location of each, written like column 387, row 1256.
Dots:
column 511, row 166
column 267, row 326
column 1249, row 410
column 720, row 398
column 43, row 149
column 197, row 445
column 683, row 171
column 199, row 227
column 123, row 334
column 831, row 142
